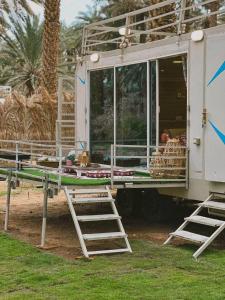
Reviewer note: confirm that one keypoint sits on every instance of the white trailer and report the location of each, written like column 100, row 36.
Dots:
column 174, row 82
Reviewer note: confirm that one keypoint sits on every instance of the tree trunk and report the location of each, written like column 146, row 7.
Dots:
column 51, row 46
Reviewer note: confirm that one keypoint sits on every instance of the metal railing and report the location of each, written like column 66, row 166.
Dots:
column 159, row 164
column 162, row 163
column 162, row 20
column 37, row 154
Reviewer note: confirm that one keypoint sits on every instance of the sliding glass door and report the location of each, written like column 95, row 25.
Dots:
column 101, row 114
column 122, row 110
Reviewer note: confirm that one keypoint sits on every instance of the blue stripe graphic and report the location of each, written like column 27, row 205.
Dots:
column 220, row 134
column 218, row 72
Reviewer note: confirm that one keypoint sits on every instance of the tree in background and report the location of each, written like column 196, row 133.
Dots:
column 113, row 8
column 14, row 8
column 91, row 15
column 20, row 55
column 50, row 46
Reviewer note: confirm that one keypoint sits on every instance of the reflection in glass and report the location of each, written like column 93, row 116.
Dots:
column 131, row 104
column 131, row 112
column 101, row 114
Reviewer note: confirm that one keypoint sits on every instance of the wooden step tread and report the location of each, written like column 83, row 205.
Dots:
column 190, row 236
column 104, row 236
column 214, row 204
column 99, row 252
column 105, row 217
column 204, row 221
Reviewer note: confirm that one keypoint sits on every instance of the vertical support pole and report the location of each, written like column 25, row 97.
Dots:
column 181, row 17
column 112, row 165
column 114, row 111
column 148, row 114
column 9, row 187
column 187, row 168
column 31, row 153
column 17, row 156
column 157, row 104
column 45, row 212
column 75, row 110
column 59, row 117
column 60, row 165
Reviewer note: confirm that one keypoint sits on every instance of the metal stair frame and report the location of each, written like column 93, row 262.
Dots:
column 210, row 239
column 82, row 237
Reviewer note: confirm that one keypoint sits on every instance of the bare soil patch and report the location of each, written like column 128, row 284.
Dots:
column 26, row 218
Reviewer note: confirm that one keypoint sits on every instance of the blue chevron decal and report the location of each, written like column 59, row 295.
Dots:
column 218, row 73
column 82, row 81
column 220, row 134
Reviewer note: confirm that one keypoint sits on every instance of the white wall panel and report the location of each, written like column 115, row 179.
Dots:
column 215, row 103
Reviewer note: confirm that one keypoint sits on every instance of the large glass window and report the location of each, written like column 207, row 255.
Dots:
column 152, row 102
column 101, row 114
column 131, row 113
column 131, row 104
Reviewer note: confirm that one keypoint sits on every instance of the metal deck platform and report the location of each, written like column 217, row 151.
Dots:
column 23, row 157
column 150, row 175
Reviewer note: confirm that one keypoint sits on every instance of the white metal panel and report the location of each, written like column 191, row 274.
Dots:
column 215, row 104
column 142, row 53
column 196, row 102
column 81, row 103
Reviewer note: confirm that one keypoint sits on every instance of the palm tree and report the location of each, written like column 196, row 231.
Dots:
column 14, row 8
column 91, row 15
column 117, row 7
column 50, row 46
column 20, row 55
column 70, row 47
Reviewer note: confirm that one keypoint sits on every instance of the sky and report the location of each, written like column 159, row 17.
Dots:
column 69, row 9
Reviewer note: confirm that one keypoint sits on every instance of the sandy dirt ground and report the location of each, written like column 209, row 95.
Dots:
column 26, row 219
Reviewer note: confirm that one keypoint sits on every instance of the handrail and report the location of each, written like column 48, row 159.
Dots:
column 176, row 165
column 172, row 22
column 55, row 152
column 33, row 143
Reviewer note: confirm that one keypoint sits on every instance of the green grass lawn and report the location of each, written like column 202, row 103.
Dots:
column 151, row 272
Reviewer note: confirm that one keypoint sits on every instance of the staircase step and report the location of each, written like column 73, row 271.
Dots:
column 99, row 252
column 88, row 191
column 92, row 200
column 204, row 221
column 91, row 218
column 214, row 204
column 104, row 236
column 67, row 121
column 67, row 126
column 190, row 236
column 81, row 196
column 68, row 102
